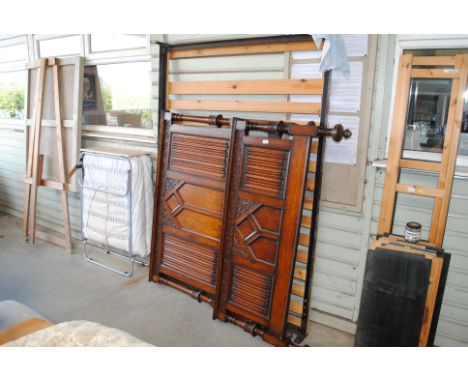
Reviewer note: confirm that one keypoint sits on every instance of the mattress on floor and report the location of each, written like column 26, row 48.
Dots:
column 106, row 208
column 79, row 333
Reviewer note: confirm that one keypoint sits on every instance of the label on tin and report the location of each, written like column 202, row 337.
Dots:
column 412, row 236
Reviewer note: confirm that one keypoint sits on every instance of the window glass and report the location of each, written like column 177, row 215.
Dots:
column 13, row 53
column 12, row 95
column 463, row 150
column 118, row 95
column 61, row 46
column 104, row 42
column 426, row 120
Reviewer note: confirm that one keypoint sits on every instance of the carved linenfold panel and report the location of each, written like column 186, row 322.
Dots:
column 265, row 171
column 251, row 290
column 191, row 260
column 198, row 155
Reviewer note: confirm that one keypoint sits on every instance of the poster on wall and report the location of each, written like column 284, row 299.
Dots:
column 89, row 91
column 344, row 96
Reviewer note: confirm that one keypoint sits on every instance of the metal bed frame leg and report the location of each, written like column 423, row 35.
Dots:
column 109, row 252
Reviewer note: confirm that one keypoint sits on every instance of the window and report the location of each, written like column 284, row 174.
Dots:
column 107, row 42
column 118, row 95
column 463, row 149
column 13, row 53
column 59, row 46
column 12, row 95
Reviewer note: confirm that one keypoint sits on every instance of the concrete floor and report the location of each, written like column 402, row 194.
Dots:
column 64, row 288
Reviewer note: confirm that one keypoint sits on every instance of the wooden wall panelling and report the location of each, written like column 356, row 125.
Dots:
column 264, row 204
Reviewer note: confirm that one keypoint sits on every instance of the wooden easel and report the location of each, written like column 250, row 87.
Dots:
column 35, row 161
column 434, row 67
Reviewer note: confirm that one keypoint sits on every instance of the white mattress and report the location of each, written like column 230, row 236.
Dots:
column 106, row 218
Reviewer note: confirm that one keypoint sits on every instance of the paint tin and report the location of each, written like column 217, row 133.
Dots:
column 412, row 232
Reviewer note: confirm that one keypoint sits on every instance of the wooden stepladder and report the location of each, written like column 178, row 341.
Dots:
column 35, row 160
column 431, row 67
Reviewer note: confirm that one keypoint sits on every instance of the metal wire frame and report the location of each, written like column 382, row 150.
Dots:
column 129, row 256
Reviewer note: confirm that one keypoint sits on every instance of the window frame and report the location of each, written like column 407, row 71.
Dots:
column 119, row 56
column 121, row 52
column 38, row 38
column 16, row 66
column 414, row 42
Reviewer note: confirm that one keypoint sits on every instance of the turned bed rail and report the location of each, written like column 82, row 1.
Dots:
column 337, row 132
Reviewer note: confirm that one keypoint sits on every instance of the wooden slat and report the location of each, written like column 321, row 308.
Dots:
column 36, row 180
column 49, row 183
column 35, row 129
column 449, row 155
column 302, row 256
column 310, row 185
column 61, row 160
column 247, row 106
column 434, row 60
column 434, row 73
column 51, row 238
column 308, row 203
column 245, row 49
column 312, row 166
column 300, row 273
column 298, row 290
column 294, row 320
column 306, row 221
column 298, row 86
column 304, row 239
column 314, row 146
column 296, row 307
column 396, row 144
column 434, row 281
column 420, row 165
column 418, row 190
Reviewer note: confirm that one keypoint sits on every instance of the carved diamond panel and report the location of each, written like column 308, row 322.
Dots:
column 195, row 209
column 257, row 232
